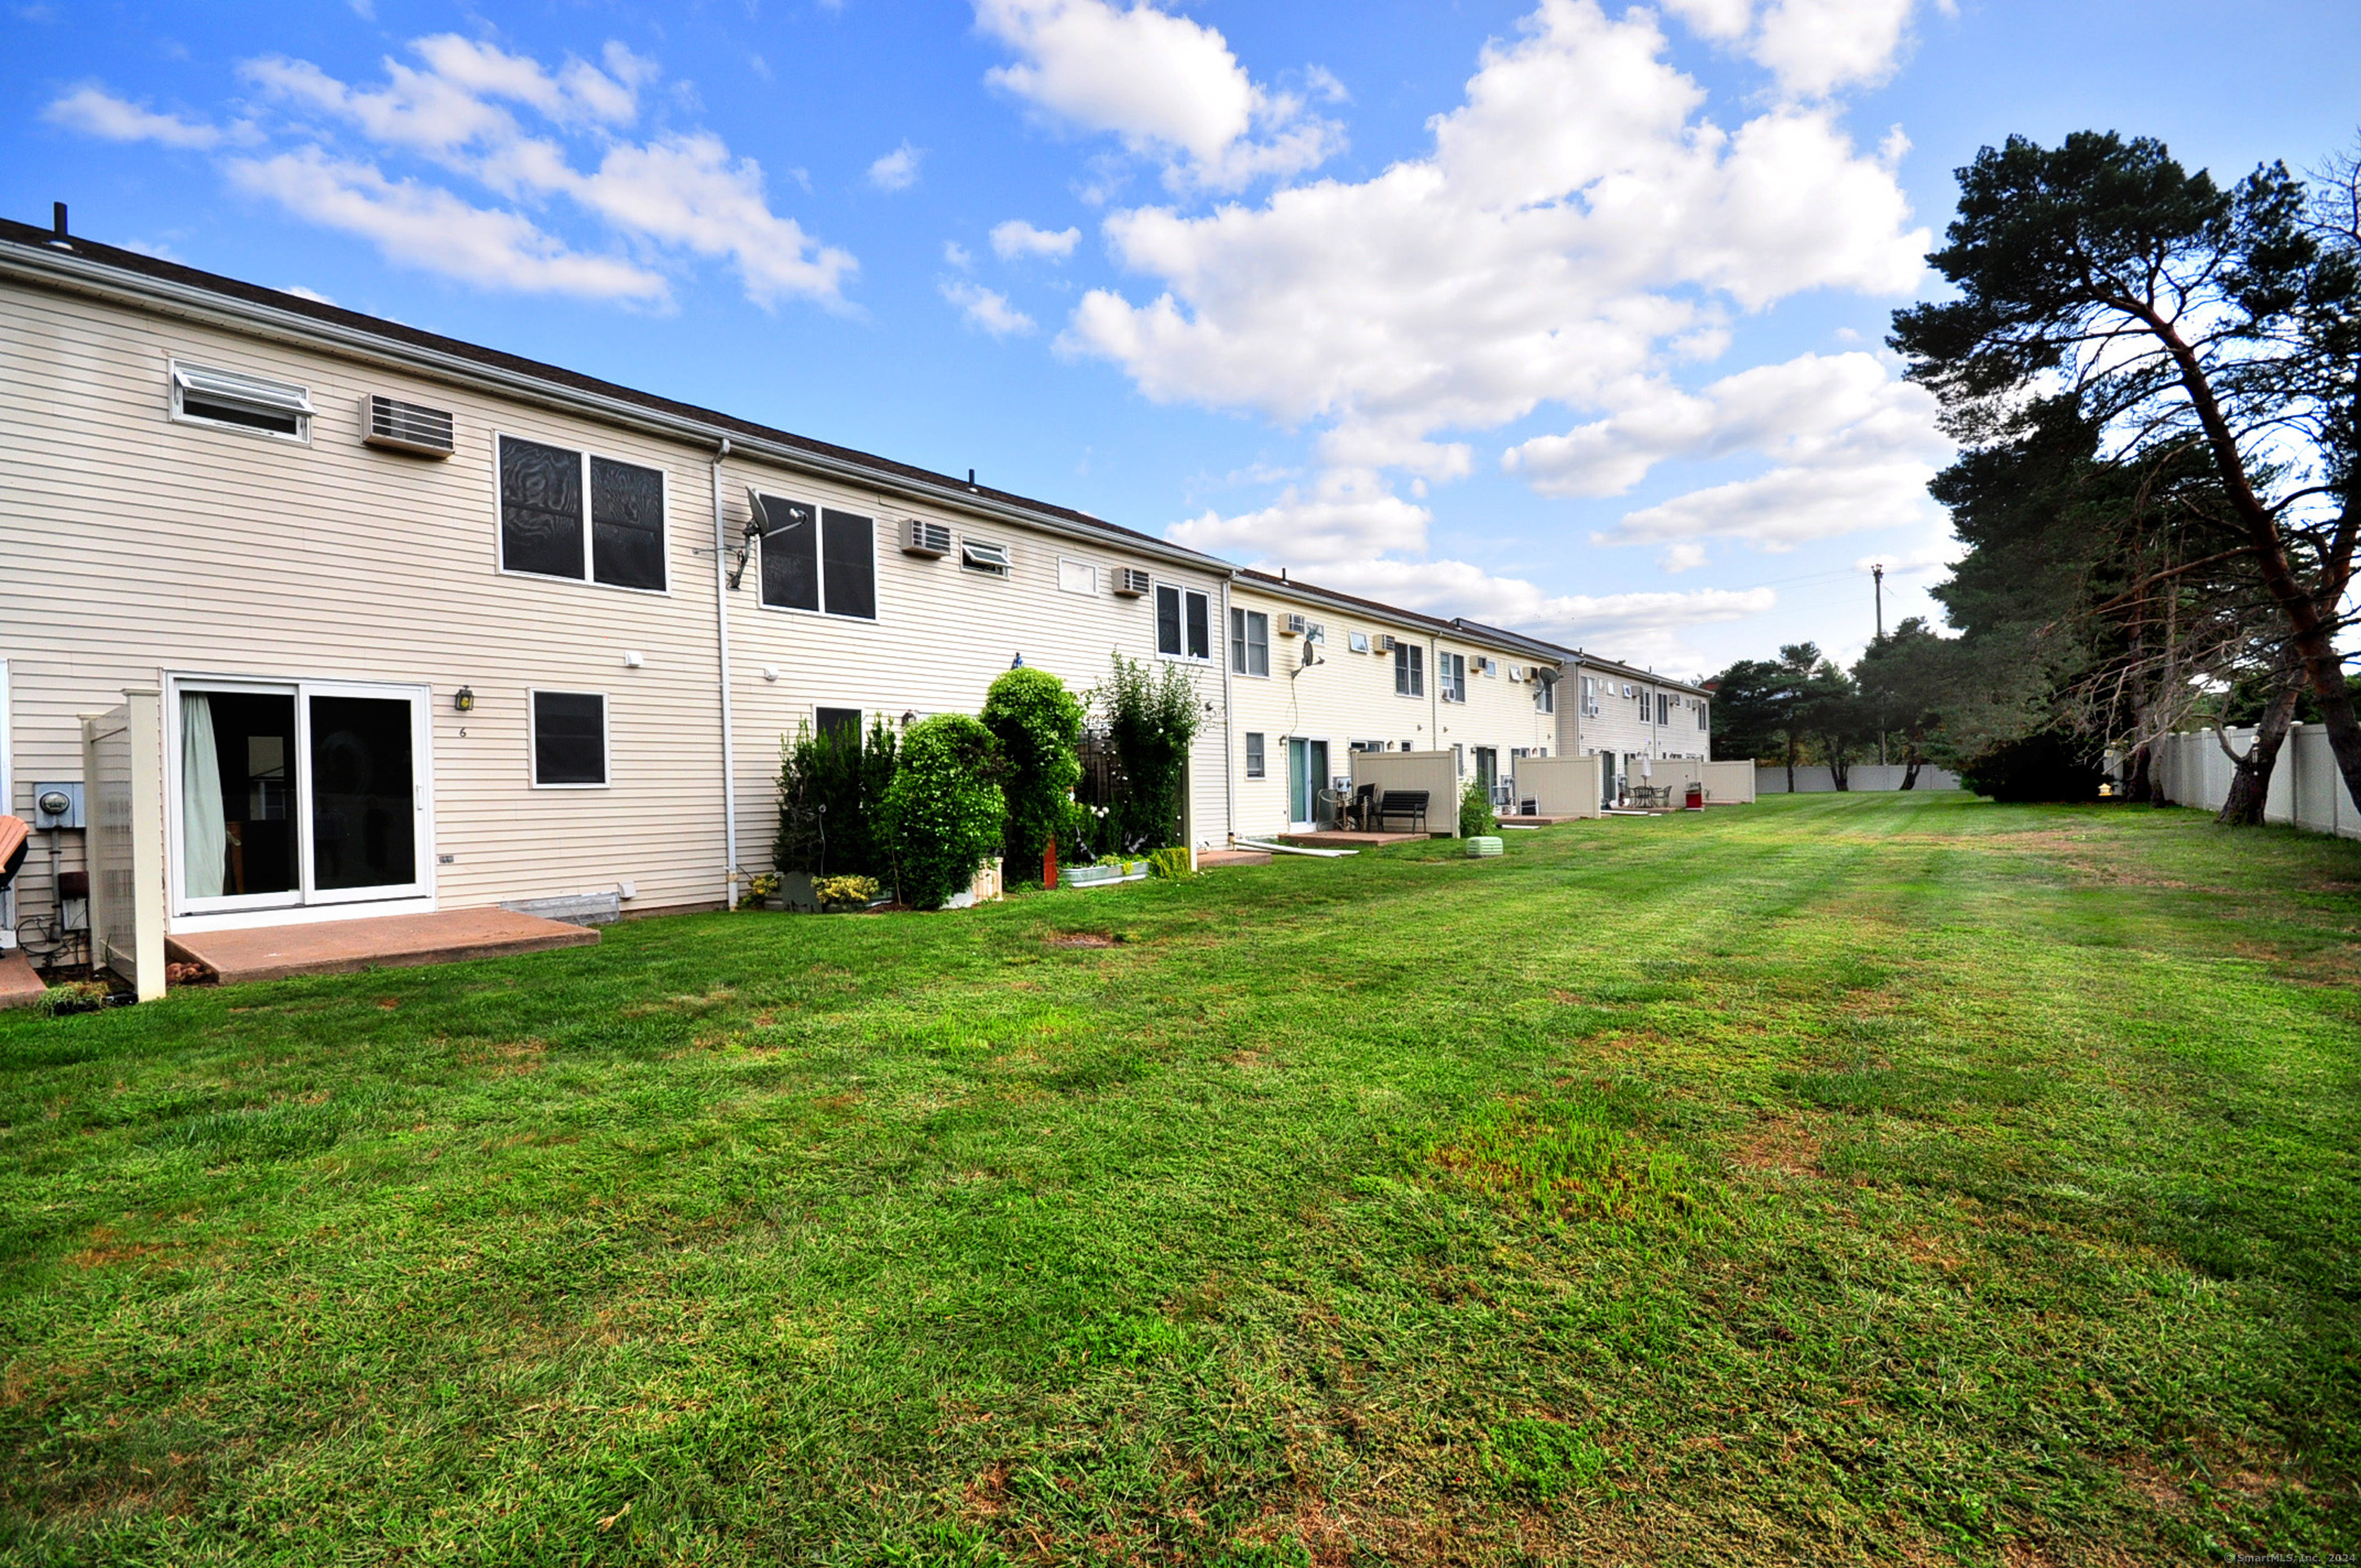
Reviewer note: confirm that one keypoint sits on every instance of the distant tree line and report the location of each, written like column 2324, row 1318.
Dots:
column 2156, row 385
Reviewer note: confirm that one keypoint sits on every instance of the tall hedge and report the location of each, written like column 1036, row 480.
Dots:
column 1039, row 725
column 831, row 789
column 1151, row 716
column 944, row 811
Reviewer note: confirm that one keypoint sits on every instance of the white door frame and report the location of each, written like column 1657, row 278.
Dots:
column 306, row 903
column 1312, row 785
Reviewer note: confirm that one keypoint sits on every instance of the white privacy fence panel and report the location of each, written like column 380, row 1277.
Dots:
column 1558, row 787
column 1437, row 772
column 2307, row 791
column 123, row 767
column 1862, row 776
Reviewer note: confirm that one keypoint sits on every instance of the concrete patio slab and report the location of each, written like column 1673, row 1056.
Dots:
column 390, row 941
column 20, row 986
column 1340, row 839
column 1208, row 858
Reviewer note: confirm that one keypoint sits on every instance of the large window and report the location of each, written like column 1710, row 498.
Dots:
column 817, row 559
column 569, row 739
column 1184, row 628
column 1254, row 754
column 1409, row 669
column 1451, row 676
column 1544, row 692
column 1249, row 642
column 1663, row 708
column 542, row 526
column 1700, row 710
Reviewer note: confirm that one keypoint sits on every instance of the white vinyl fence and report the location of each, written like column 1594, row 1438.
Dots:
column 1772, row 779
column 2306, row 789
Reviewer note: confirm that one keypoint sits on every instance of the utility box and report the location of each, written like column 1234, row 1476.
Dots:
column 58, row 806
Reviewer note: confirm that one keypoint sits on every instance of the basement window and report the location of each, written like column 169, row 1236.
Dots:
column 230, row 400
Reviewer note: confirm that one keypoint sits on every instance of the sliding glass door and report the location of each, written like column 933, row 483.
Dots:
column 296, row 793
column 1307, row 775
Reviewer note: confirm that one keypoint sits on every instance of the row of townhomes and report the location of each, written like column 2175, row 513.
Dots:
column 375, row 621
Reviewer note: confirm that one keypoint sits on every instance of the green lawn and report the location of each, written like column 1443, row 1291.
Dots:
column 1893, row 1178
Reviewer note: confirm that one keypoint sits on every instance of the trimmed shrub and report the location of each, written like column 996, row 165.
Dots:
column 831, row 790
column 1038, row 724
column 1172, row 864
column 1152, row 716
column 2043, row 766
column 1476, row 817
column 943, row 812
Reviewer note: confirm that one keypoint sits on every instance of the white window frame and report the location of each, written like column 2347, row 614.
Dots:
column 589, row 527
column 297, row 904
column 1186, row 593
column 819, row 510
column 1450, row 675
column 1410, row 659
column 606, row 737
column 1066, row 564
column 179, row 372
column 1003, row 568
column 1257, row 754
column 1242, row 642
column 1356, row 641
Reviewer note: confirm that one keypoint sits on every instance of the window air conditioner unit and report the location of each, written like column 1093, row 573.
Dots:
column 398, row 426
column 1291, row 625
column 1131, row 582
column 1385, row 643
column 984, row 557
column 932, row 540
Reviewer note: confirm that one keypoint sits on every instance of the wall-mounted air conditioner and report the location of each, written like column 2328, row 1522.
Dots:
column 397, row 426
column 1291, row 625
column 1385, row 643
column 1131, row 582
column 932, row 540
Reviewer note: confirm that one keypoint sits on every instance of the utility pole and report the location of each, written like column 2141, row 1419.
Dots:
column 1877, row 580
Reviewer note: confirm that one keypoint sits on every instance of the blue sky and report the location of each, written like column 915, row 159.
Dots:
column 1562, row 315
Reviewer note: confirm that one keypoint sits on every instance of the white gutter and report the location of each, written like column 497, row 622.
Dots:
column 728, row 741
column 65, row 269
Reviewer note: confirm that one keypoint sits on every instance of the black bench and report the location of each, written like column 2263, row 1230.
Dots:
column 1409, row 802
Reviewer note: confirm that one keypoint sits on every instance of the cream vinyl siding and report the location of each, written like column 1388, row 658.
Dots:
column 1619, row 728
column 134, row 547
column 942, row 635
column 1350, row 696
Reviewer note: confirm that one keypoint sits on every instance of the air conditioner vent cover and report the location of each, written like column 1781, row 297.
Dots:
column 398, row 426
column 1291, row 625
column 919, row 537
column 1131, row 582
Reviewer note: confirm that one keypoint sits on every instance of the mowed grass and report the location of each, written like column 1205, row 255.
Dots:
column 1836, row 1179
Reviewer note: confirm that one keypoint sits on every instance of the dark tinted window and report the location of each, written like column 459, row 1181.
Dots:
column 541, row 509
column 569, row 738
column 626, row 524
column 844, row 723
column 790, row 554
column 272, row 420
column 848, row 563
column 1168, row 620
column 1201, row 636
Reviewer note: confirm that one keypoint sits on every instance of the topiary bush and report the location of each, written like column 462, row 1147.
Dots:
column 831, row 790
column 1039, row 725
column 944, row 812
column 1476, row 817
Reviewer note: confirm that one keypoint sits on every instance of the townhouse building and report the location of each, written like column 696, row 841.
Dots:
column 366, row 621
column 1316, row 674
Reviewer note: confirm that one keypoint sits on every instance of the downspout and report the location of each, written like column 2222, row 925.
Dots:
column 1231, row 765
column 721, row 627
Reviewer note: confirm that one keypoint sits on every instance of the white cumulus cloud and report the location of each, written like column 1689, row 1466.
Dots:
column 898, row 169
column 1812, row 47
column 93, row 111
column 1168, row 87
column 1017, row 238
column 986, row 308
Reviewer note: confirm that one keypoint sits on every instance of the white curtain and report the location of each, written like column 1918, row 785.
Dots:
column 205, row 836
